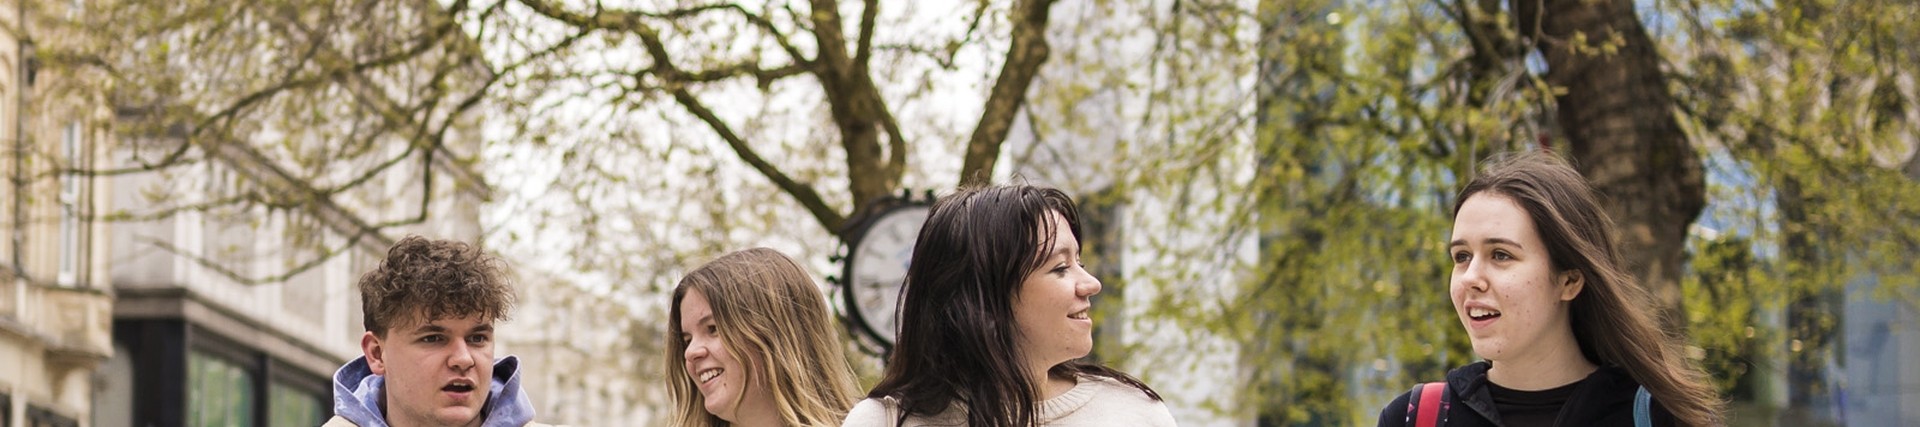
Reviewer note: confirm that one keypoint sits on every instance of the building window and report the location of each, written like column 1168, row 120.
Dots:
column 295, row 407
column 219, row 392
column 229, row 232
column 42, row 417
column 70, row 186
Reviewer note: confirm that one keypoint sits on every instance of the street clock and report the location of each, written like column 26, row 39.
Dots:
column 876, row 266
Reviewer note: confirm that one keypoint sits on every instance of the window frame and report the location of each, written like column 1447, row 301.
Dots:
column 72, row 191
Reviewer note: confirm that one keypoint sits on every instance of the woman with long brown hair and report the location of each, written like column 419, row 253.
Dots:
column 753, row 345
column 1568, row 336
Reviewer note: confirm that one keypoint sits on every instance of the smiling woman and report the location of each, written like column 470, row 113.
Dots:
column 754, row 346
column 994, row 316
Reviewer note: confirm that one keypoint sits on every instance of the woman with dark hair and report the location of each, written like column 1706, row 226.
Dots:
column 1568, row 337
column 993, row 316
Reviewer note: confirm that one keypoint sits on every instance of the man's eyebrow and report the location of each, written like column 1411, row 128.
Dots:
column 437, row 329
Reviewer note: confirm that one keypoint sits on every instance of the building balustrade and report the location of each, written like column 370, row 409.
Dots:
column 75, row 323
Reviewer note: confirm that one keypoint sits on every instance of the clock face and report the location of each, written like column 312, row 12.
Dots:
column 879, row 267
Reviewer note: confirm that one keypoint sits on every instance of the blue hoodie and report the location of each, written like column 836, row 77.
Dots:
column 356, row 395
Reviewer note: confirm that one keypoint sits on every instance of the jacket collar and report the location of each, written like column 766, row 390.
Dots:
column 357, row 395
column 1470, row 387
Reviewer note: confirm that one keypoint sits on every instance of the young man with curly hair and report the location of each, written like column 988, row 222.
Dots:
column 428, row 349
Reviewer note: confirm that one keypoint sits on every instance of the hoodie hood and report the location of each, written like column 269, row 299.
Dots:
column 357, row 391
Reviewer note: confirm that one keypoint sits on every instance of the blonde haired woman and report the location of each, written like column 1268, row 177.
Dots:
column 753, row 345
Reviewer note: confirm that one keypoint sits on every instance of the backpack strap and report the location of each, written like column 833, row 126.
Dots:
column 1425, row 404
column 1642, row 408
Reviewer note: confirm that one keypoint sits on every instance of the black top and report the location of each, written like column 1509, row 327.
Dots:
column 1602, row 399
column 1529, row 408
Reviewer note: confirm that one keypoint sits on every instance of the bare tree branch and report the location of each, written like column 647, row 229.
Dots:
column 245, row 197
column 803, row 193
column 779, row 38
column 626, row 21
column 1024, row 57
column 944, row 55
column 763, row 76
column 831, row 69
column 863, row 53
column 230, row 274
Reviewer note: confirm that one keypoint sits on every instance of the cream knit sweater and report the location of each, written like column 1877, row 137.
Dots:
column 1094, row 402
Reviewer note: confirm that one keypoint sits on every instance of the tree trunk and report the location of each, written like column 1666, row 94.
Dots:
column 1620, row 122
column 856, row 106
column 1028, row 50
column 1814, row 305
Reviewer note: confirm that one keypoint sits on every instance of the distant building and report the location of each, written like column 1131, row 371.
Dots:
column 122, row 304
column 55, row 298
column 239, row 313
column 590, row 360
column 197, row 344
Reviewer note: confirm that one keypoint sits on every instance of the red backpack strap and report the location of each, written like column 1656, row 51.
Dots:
column 1426, row 403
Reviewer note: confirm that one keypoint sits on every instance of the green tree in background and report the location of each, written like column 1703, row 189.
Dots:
column 1369, row 113
column 1286, row 168
column 1813, row 103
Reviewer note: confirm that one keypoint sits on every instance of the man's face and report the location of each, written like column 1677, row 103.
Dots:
column 438, row 372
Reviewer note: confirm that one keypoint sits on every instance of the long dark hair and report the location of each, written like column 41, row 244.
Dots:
column 957, row 332
column 1613, row 316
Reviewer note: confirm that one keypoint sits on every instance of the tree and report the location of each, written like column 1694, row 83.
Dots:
column 1361, row 140
column 687, row 129
column 1813, row 112
column 1286, row 220
column 637, row 140
column 818, row 42
column 266, row 108
column 1614, row 108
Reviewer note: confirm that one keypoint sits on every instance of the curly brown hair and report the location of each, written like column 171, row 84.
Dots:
column 423, row 279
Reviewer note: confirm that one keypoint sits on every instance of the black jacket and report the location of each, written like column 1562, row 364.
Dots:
column 1603, row 399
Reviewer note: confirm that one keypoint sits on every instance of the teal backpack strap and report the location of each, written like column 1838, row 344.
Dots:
column 1642, row 408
